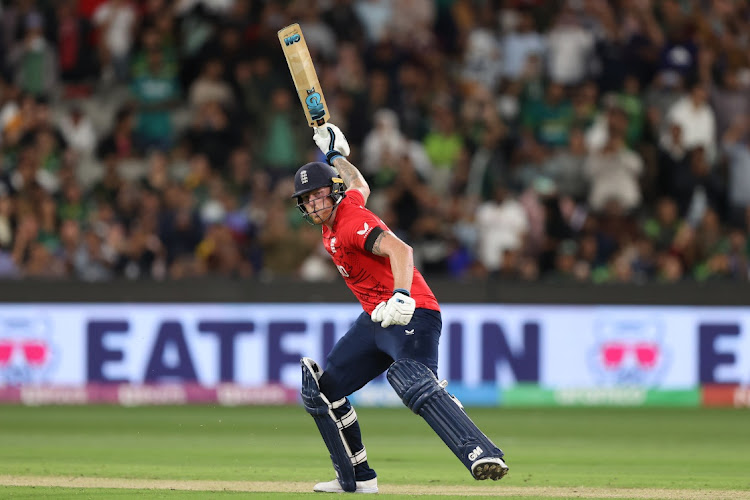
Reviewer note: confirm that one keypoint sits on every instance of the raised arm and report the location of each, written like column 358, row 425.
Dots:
column 332, row 142
column 351, row 176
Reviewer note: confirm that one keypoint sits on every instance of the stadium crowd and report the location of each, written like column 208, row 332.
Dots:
column 571, row 140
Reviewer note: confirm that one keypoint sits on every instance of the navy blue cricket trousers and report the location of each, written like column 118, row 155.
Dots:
column 368, row 349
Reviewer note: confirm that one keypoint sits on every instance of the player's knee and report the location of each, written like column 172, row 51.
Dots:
column 327, row 385
column 414, row 382
column 312, row 399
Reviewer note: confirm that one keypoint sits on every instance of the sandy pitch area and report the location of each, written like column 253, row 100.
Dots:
column 494, row 489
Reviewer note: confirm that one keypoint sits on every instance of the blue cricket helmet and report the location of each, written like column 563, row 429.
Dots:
column 314, row 176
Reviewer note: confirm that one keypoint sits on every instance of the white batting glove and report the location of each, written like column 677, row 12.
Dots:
column 397, row 311
column 331, row 141
column 377, row 313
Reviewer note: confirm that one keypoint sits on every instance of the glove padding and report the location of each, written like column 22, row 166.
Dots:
column 397, row 311
column 331, row 141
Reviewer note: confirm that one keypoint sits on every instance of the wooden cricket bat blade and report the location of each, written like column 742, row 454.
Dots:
column 304, row 75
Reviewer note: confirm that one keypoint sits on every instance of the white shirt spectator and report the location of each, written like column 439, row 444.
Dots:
column 597, row 134
column 737, row 153
column 569, row 47
column 374, row 16
column 500, row 226
column 698, row 124
column 79, row 132
column 118, row 18
column 739, row 174
column 613, row 174
column 520, row 44
column 482, row 63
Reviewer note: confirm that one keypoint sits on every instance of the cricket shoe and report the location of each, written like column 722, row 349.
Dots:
column 369, row 486
column 489, row 468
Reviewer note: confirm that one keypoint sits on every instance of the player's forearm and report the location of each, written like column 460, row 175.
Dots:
column 402, row 267
column 351, row 176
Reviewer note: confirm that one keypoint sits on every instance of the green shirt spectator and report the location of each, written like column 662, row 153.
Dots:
column 156, row 88
column 549, row 119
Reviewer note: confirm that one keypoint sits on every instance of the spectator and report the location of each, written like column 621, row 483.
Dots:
column 729, row 100
column 156, row 90
column 116, row 21
column 698, row 188
column 256, row 81
column 42, row 263
column 343, row 20
column 630, row 101
column 78, row 64
column 694, row 116
column 142, row 254
column 384, row 144
column 34, row 61
column 613, row 174
column 585, row 104
column 671, row 159
column 240, row 174
column 548, row 120
column 210, row 87
column 565, row 167
column 213, row 134
column 629, row 41
column 409, row 195
column 502, row 225
column 78, row 131
column 663, row 226
column 482, row 64
column 374, row 16
column 121, row 143
column 737, row 151
column 278, row 153
column 180, row 231
column 443, row 145
column 565, row 262
column 569, row 47
column 488, row 165
column 93, row 260
column 521, row 41
column 283, row 250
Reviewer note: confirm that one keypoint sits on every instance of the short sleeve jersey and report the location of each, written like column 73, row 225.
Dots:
column 367, row 275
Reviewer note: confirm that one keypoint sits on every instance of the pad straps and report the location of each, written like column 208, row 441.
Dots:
column 330, row 426
column 420, row 390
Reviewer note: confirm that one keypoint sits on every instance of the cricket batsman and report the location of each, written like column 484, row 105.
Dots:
column 398, row 331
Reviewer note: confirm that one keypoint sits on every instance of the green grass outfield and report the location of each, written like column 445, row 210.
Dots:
column 257, row 452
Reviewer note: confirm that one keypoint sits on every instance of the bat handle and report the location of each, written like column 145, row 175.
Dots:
column 322, row 130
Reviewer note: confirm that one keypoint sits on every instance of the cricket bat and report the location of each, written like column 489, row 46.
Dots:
column 303, row 73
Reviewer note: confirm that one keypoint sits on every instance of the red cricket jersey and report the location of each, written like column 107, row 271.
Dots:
column 367, row 275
